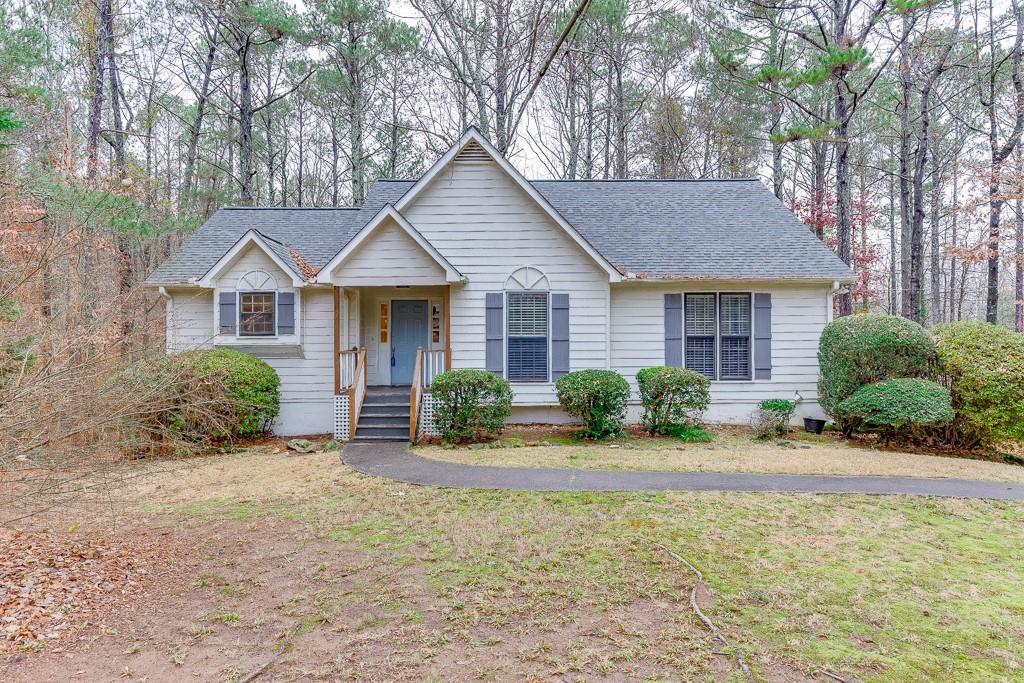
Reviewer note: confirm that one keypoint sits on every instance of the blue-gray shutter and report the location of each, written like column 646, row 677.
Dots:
column 674, row 330
column 286, row 312
column 494, row 333
column 559, row 335
column 228, row 312
column 762, row 336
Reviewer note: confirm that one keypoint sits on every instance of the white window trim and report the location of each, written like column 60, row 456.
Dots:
column 238, row 313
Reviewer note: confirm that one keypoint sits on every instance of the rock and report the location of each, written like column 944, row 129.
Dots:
column 545, row 443
column 478, row 446
column 614, row 445
column 301, row 445
column 332, row 445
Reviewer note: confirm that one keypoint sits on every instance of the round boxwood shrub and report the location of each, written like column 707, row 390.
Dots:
column 598, row 398
column 470, row 405
column 898, row 408
column 863, row 349
column 673, row 398
column 983, row 366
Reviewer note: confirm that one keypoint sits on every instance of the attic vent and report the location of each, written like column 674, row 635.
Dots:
column 472, row 152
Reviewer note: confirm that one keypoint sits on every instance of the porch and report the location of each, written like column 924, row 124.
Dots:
column 389, row 344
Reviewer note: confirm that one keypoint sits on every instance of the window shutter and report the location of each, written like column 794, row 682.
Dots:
column 494, row 360
column 674, row 330
column 286, row 312
column 228, row 312
column 762, row 336
column 559, row 335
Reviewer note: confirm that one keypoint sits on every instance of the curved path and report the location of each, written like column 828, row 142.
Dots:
column 395, row 461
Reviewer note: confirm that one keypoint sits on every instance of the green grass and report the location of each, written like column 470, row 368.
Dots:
column 887, row 589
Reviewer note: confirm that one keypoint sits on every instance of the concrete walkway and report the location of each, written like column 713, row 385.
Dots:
column 395, row 461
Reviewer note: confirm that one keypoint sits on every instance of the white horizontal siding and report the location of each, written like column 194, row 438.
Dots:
column 799, row 313
column 252, row 258
column 487, row 227
column 306, row 382
column 390, row 257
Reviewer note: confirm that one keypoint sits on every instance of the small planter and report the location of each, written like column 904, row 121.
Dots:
column 813, row 425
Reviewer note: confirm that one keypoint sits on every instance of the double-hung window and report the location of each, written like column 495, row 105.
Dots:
column 256, row 314
column 734, row 333
column 527, row 336
column 718, row 335
column 701, row 330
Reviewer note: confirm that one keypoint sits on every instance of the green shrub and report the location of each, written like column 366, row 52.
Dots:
column 251, row 385
column 772, row 417
column 598, row 398
column 689, row 433
column 672, row 397
column 983, row 366
column 195, row 397
column 898, row 408
column 471, row 405
column 863, row 349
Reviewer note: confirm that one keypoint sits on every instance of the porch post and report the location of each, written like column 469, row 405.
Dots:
column 337, row 340
column 448, row 327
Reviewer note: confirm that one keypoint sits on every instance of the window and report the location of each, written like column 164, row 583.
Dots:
column 527, row 333
column 256, row 314
column 717, row 335
column 699, row 315
column 734, row 330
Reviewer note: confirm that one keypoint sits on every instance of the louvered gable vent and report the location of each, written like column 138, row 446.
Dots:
column 472, row 153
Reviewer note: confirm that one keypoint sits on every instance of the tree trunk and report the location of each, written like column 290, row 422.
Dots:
column 843, row 227
column 97, row 63
column 195, row 130
column 935, row 307
column 107, row 19
column 245, row 114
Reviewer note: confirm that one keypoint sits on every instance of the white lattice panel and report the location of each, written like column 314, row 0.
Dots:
column 426, row 422
column 341, row 414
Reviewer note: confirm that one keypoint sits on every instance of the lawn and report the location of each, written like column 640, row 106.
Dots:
column 732, row 450
column 327, row 574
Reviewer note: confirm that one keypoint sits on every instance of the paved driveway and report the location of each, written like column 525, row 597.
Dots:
column 395, row 461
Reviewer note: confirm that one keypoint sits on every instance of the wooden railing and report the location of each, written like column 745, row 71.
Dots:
column 429, row 364
column 352, row 380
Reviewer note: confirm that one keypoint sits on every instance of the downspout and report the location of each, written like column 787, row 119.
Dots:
column 168, row 313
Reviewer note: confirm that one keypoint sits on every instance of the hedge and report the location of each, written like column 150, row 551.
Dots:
column 983, row 367
column 859, row 350
column 898, row 408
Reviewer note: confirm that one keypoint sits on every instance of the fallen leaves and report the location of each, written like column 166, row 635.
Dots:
column 53, row 586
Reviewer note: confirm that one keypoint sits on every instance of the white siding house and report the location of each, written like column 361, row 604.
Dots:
column 473, row 266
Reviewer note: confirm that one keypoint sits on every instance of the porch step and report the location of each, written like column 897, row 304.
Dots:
column 384, row 415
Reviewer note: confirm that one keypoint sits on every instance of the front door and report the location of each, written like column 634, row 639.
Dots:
column 410, row 327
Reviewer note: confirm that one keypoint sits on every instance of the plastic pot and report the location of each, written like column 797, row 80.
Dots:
column 813, row 425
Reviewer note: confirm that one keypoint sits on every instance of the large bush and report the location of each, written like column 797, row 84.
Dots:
column 673, row 398
column 198, row 396
column 983, row 366
column 863, row 349
column 470, row 404
column 898, row 408
column 598, row 398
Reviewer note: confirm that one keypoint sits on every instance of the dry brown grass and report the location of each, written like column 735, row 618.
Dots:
column 734, row 453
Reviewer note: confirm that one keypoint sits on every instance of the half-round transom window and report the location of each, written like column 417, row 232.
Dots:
column 257, row 280
column 528, row 278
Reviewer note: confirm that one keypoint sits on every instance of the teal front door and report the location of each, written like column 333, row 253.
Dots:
column 410, row 327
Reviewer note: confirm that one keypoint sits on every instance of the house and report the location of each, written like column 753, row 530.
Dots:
column 474, row 266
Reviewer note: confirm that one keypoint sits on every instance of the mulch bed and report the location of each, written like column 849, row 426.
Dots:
column 53, row 587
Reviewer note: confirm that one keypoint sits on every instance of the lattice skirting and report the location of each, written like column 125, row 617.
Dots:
column 426, row 424
column 342, row 429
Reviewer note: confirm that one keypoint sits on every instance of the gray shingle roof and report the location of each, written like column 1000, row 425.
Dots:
column 700, row 229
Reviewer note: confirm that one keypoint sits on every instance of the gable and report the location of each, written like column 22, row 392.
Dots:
column 389, row 256
column 473, row 149
column 251, row 267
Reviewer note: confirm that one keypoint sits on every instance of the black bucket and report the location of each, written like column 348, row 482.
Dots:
column 813, row 425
